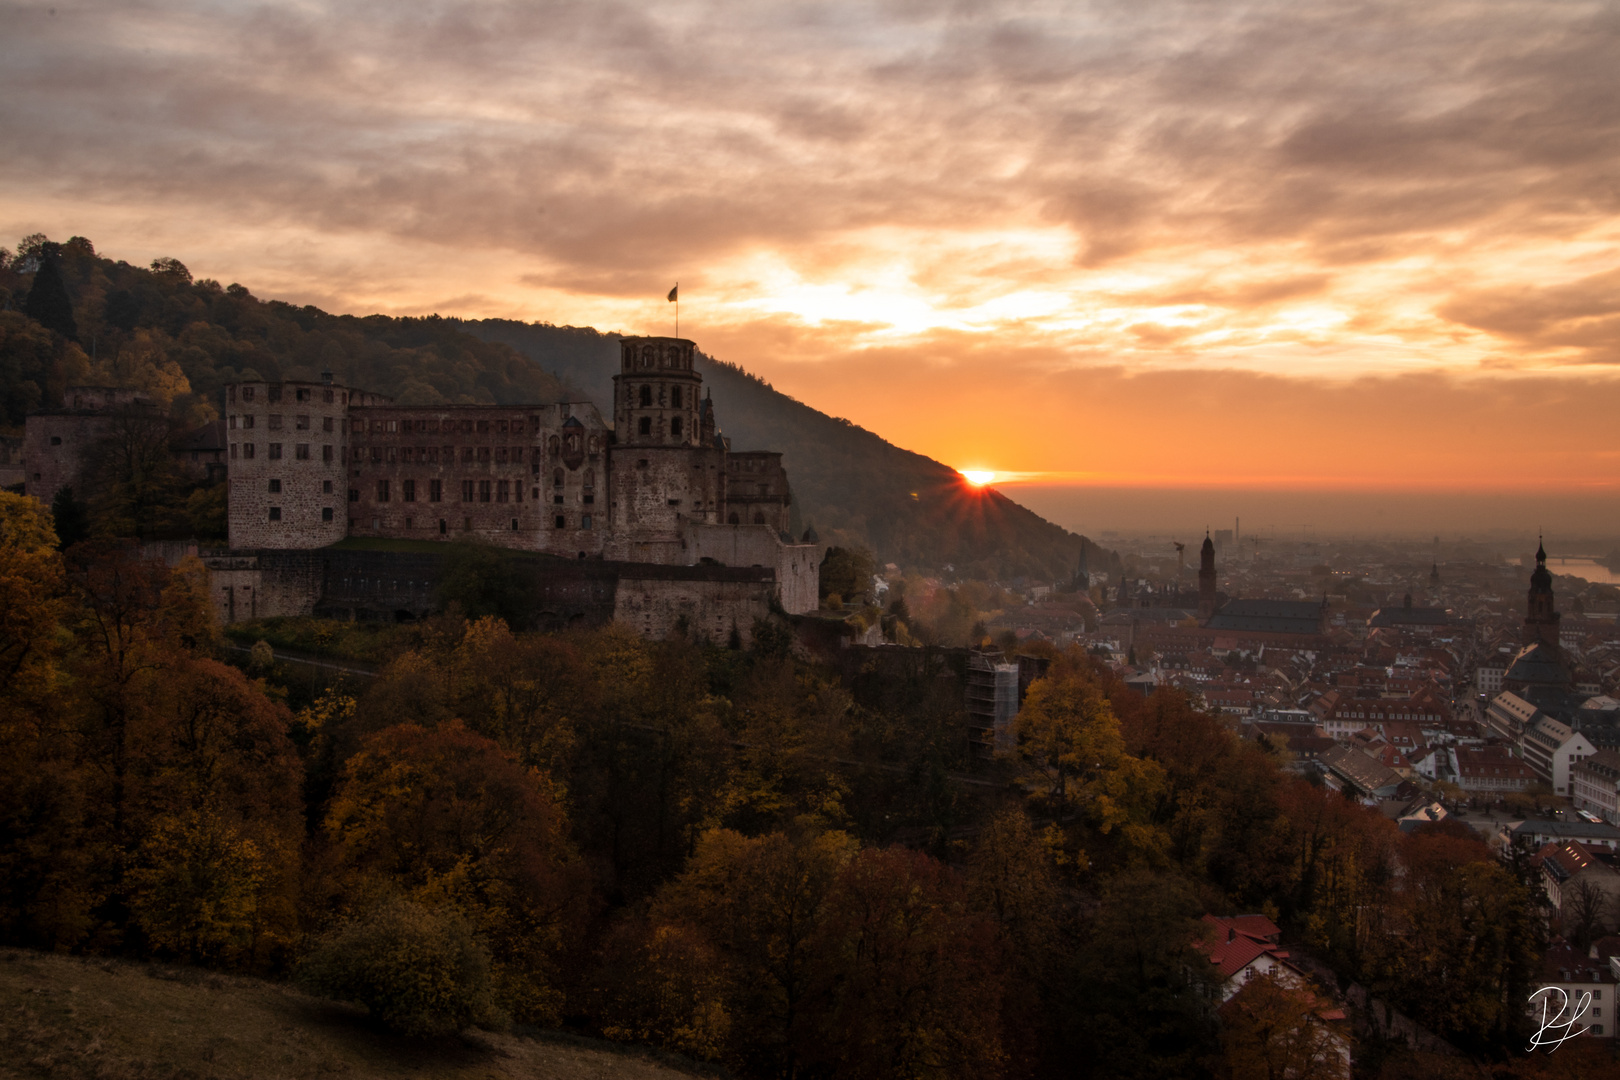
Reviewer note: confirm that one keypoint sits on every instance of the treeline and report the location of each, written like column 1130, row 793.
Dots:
column 69, row 316
column 731, row 854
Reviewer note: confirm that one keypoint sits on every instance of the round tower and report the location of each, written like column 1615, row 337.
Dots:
column 655, row 394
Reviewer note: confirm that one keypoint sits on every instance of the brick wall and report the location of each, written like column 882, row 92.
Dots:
column 709, row 602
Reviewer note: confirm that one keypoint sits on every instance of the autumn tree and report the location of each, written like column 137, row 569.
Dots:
column 444, row 816
column 1274, row 1031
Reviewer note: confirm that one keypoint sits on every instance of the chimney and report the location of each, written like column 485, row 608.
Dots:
column 1231, row 935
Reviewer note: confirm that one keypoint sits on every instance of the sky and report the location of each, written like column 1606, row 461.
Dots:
column 1314, row 246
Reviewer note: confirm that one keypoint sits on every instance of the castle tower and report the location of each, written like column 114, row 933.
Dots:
column 1206, row 578
column 1541, row 620
column 667, row 464
column 289, row 443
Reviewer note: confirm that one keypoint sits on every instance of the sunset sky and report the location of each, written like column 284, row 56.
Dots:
column 1315, row 244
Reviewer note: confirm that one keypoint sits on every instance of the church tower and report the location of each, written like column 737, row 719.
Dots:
column 1541, row 621
column 1206, row 578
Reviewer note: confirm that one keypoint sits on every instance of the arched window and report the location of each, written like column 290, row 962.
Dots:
column 557, row 478
column 590, row 479
column 675, row 397
column 646, row 397
column 646, row 425
column 675, row 427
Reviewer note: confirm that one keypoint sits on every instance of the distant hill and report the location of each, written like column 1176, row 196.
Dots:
column 848, row 482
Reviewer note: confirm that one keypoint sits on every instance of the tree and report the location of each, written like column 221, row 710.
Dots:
column 905, row 971
column 1272, row 1031
column 446, row 817
column 848, row 573
column 48, row 302
column 1587, row 913
column 71, row 516
column 418, row 970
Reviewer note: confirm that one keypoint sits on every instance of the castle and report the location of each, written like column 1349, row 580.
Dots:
column 694, row 533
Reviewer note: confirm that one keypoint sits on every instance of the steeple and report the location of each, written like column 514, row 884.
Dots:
column 1541, row 620
column 1206, row 578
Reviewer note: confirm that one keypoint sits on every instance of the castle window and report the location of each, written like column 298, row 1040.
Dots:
column 275, row 393
column 596, row 444
column 376, row 454
column 326, row 396
column 590, row 479
column 247, row 450
column 449, row 454
column 233, row 393
column 301, row 451
column 444, row 526
column 466, row 491
column 517, row 454
column 466, row 453
column 302, row 394
column 275, row 487
column 247, row 393
column 483, row 491
column 326, row 454
column 759, row 518
column 514, row 524
column 382, row 491
column 247, row 421
column 483, row 427
column 326, row 487
column 500, row 426
column 466, row 427
column 554, row 445
column 483, row 453
column 646, row 397
column 326, row 511
column 585, row 522
column 435, row 491
column 233, row 451
column 392, row 455
column 503, row 490
column 500, row 455
column 732, row 520
column 233, row 421
column 326, row 423
column 275, row 513
column 407, row 490
column 56, row 440
column 275, row 451
column 302, row 422
column 645, row 426
column 675, row 427
column 275, row 421
column 534, row 493
column 674, row 397
column 466, row 524
column 562, row 522
column 674, row 502
column 558, row 499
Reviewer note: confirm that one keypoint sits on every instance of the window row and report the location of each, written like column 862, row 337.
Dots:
column 300, row 393
column 275, row 486
column 274, row 422
column 646, row 425
column 513, row 426
column 674, row 397
column 471, row 491
column 433, row 455
column 301, row 451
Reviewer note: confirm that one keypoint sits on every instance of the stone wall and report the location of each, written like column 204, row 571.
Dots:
column 708, row 602
column 797, row 567
column 287, row 445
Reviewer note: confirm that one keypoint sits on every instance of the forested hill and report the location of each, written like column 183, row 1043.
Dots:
column 70, row 316
column 848, row 482
column 96, row 320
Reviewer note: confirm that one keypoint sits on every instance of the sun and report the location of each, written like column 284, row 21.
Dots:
column 978, row 477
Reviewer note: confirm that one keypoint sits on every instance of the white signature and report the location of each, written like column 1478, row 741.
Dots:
column 1555, row 1030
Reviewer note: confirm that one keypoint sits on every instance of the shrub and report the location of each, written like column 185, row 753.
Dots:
column 417, row 970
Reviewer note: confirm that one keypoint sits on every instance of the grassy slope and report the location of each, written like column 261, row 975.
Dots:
column 64, row 1017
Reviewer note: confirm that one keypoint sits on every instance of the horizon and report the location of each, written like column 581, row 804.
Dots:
column 1282, row 249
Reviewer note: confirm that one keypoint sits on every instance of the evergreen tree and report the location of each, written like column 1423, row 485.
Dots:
column 48, row 302
column 72, row 517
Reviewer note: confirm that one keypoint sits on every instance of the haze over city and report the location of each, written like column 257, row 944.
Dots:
column 1278, row 248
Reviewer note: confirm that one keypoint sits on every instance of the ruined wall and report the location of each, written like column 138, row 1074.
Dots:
column 287, row 443
column 797, row 566
column 708, row 602
column 756, row 491
column 265, row 585
column 55, row 448
column 528, row 477
column 654, row 492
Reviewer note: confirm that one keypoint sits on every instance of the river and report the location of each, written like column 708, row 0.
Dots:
column 1590, row 569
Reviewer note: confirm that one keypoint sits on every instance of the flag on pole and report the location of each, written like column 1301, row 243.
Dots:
column 674, row 294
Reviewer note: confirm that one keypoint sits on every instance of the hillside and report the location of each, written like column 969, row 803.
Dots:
column 69, row 1018
column 848, row 482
